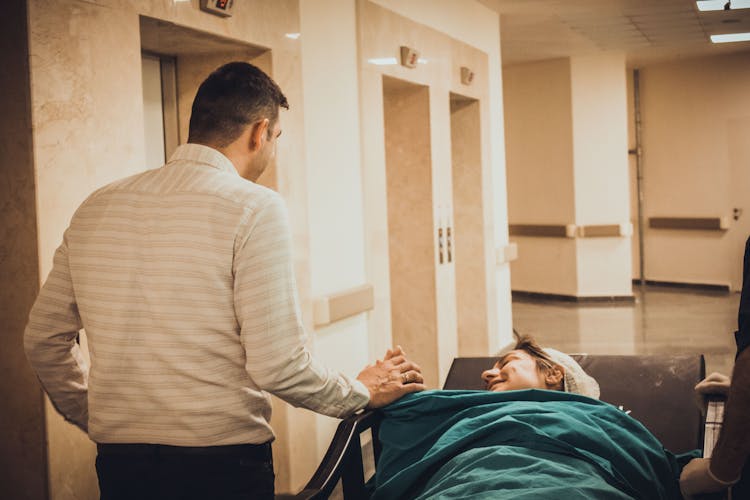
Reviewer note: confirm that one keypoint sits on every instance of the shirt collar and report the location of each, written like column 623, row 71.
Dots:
column 199, row 153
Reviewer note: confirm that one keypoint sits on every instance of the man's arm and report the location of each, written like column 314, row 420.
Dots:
column 732, row 449
column 391, row 378
column 51, row 347
column 273, row 336
column 733, row 446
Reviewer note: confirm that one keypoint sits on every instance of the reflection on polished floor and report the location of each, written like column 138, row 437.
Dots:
column 663, row 320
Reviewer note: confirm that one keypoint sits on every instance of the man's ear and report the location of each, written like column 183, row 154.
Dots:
column 258, row 134
column 554, row 377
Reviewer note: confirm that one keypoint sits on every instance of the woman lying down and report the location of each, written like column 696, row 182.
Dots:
column 549, row 438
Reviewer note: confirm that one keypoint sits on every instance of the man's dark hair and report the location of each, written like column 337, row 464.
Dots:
column 232, row 97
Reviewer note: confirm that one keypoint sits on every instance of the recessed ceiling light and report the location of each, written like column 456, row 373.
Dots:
column 731, row 37
column 708, row 5
column 293, row 36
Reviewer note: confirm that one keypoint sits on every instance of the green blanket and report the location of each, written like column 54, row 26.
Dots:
column 518, row 444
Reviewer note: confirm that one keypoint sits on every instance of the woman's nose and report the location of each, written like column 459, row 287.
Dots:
column 488, row 375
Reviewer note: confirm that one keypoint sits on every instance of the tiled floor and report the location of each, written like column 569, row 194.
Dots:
column 662, row 320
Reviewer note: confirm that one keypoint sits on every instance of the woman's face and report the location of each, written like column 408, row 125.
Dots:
column 515, row 370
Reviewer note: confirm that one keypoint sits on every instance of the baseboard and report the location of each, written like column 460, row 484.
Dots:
column 693, row 286
column 519, row 294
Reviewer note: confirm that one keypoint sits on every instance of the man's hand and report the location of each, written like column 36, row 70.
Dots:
column 697, row 479
column 714, row 384
column 390, row 379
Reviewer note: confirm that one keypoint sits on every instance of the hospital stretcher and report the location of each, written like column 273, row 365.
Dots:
column 656, row 390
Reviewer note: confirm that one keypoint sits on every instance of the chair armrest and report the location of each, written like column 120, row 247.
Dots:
column 714, row 421
column 711, row 431
column 307, row 494
column 343, row 460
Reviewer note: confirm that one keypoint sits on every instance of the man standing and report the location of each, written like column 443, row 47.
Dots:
column 732, row 451
column 183, row 279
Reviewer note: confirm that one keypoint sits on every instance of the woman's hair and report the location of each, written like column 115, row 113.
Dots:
column 526, row 343
column 575, row 379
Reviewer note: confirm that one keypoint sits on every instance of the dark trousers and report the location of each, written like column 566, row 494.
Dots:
column 152, row 471
column 742, row 336
column 742, row 489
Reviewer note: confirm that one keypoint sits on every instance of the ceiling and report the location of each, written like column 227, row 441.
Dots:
column 647, row 31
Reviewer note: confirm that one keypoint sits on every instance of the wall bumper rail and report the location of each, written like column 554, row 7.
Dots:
column 344, row 304
column 690, row 223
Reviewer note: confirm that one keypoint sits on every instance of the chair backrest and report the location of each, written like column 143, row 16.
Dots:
column 656, row 390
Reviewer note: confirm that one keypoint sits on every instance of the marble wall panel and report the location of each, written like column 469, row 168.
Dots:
column 23, row 473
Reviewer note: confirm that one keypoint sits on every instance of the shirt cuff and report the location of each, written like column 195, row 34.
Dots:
column 360, row 394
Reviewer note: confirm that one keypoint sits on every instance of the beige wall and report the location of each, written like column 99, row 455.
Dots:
column 599, row 104
column 566, row 142
column 335, row 209
column 539, row 142
column 539, row 154
column 696, row 124
column 600, row 152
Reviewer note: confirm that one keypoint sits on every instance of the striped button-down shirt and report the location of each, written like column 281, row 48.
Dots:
column 182, row 278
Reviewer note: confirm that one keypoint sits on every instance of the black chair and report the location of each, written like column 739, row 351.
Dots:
column 656, row 390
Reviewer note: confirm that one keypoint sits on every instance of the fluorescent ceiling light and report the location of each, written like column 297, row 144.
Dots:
column 383, row 61
column 708, row 5
column 731, row 37
column 293, row 36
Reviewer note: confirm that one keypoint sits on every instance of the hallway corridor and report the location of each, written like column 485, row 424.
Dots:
column 662, row 320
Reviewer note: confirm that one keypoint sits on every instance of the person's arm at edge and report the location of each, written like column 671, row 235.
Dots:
column 710, row 475
column 733, row 446
column 51, row 346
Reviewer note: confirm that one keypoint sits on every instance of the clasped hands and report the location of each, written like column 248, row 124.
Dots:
column 391, row 378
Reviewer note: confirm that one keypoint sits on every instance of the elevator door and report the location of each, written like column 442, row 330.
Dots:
column 468, row 232
column 160, row 129
column 411, row 247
